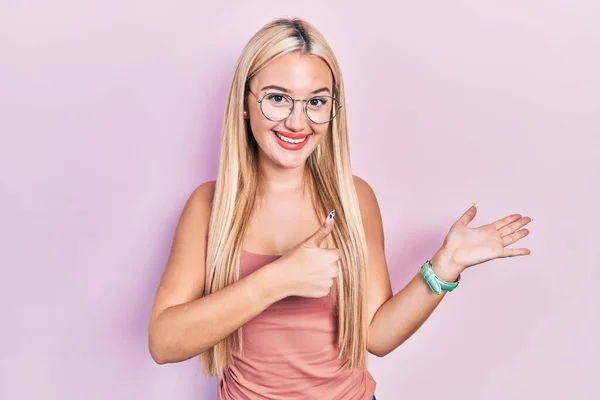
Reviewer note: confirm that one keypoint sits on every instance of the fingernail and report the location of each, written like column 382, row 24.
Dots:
column 330, row 216
column 475, row 205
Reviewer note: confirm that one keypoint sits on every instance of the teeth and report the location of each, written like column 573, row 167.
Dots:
column 288, row 140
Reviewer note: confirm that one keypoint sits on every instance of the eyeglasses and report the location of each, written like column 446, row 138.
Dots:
column 278, row 106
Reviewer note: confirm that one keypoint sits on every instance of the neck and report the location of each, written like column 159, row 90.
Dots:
column 275, row 179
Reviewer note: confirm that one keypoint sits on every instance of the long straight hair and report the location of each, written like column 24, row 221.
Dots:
column 329, row 174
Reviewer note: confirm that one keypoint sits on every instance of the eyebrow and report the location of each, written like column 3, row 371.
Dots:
column 282, row 89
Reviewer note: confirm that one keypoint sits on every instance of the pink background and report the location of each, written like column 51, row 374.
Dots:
column 110, row 115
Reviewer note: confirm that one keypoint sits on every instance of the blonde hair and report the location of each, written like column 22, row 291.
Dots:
column 329, row 174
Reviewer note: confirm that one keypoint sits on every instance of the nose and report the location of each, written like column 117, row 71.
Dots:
column 296, row 121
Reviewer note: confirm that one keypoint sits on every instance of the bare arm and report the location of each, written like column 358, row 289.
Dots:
column 183, row 323
column 392, row 318
column 403, row 314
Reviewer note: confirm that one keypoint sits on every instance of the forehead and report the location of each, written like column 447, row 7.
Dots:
column 299, row 73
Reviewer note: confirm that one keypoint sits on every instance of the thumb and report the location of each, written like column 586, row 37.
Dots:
column 468, row 215
column 317, row 238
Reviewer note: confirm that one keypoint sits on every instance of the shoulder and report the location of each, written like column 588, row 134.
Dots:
column 200, row 200
column 369, row 209
column 365, row 193
column 361, row 184
column 204, row 193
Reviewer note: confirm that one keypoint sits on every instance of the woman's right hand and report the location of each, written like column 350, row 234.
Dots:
column 308, row 270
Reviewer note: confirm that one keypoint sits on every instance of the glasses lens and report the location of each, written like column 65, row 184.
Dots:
column 321, row 109
column 276, row 106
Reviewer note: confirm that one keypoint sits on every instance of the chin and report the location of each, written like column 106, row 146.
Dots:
column 291, row 161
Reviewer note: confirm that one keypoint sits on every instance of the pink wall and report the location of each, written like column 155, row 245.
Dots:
column 110, row 116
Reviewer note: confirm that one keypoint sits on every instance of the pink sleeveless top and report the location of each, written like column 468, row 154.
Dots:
column 290, row 353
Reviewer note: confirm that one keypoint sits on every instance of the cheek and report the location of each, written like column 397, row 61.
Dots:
column 320, row 133
column 260, row 127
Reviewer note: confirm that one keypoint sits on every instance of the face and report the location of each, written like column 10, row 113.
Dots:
column 289, row 142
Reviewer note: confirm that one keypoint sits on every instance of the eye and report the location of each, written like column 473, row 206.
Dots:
column 278, row 99
column 317, row 101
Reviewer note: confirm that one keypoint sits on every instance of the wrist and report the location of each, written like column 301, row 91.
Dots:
column 272, row 282
column 442, row 265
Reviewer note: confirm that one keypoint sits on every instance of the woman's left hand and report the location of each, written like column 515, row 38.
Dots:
column 465, row 246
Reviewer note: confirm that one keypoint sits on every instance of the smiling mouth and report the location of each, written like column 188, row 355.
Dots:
column 292, row 138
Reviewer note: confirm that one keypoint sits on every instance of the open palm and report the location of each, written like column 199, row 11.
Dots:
column 468, row 246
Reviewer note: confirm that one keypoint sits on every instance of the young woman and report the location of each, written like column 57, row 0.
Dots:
column 277, row 275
